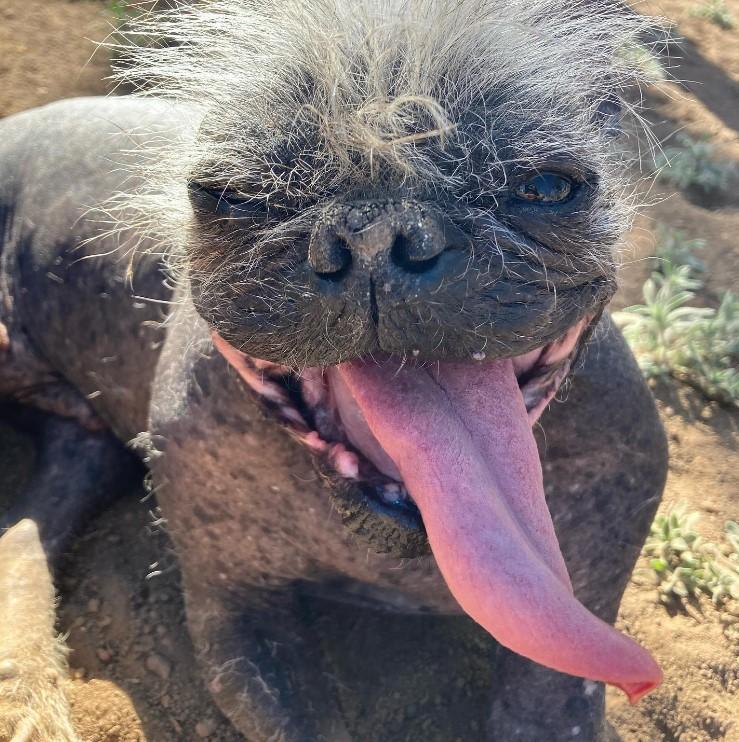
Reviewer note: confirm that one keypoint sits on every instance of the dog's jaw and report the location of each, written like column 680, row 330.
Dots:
column 317, row 407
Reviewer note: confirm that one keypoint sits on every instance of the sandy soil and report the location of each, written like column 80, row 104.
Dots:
column 46, row 51
column 135, row 675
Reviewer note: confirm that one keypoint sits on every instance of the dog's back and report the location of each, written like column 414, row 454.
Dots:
column 73, row 321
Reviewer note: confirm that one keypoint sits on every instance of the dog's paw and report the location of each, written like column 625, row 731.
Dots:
column 33, row 669
column 33, row 708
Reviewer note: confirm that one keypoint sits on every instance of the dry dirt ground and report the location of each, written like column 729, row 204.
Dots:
column 135, row 675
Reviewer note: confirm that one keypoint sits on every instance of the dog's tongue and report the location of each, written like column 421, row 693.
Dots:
column 460, row 438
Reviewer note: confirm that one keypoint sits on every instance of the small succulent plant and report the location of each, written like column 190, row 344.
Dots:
column 686, row 565
column 672, row 338
column 675, row 248
column 716, row 12
column 692, row 163
column 119, row 9
column 646, row 58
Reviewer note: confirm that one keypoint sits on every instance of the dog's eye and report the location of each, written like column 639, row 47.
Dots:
column 545, row 188
column 227, row 203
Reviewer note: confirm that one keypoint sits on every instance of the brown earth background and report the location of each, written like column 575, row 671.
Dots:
column 135, row 675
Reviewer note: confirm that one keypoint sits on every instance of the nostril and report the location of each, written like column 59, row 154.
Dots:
column 411, row 257
column 332, row 260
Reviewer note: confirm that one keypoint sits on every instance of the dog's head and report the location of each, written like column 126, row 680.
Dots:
column 433, row 180
column 401, row 225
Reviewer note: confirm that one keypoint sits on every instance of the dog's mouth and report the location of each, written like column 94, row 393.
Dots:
column 319, row 409
column 446, row 450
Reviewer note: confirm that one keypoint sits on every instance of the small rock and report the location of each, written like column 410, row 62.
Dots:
column 103, row 654
column 8, row 670
column 145, row 644
column 205, row 728
column 159, row 666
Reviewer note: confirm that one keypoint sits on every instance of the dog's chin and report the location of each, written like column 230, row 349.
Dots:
column 320, row 410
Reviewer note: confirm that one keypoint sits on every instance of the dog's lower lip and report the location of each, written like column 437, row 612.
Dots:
column 304, row 403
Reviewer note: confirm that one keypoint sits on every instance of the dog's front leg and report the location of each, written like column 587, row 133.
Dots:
column 77, row 474
column 535, row 704
column 262, row 666
column 236, row 499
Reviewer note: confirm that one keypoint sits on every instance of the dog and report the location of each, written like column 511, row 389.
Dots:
column 326, row 275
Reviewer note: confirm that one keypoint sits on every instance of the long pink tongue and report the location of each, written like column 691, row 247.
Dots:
column 459, row 435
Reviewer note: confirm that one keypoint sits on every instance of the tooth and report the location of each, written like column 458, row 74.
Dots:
column 291, row 414
column 393, row 493
column 344, row 461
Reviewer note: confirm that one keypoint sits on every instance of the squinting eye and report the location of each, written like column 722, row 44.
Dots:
column 544, row 188
column 226, row 203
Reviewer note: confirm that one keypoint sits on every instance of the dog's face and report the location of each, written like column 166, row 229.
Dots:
column 381, row 191
column 403, row 218
column 397, row 199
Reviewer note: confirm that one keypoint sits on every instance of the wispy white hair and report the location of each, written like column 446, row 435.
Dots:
column 310, row 99
column 377, row 77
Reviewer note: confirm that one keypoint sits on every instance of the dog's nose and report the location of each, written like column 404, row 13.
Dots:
column 402, row 237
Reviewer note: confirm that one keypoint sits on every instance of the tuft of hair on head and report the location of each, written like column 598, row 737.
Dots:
column 307, row 99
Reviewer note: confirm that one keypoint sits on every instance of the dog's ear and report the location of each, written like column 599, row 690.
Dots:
column 607, row 116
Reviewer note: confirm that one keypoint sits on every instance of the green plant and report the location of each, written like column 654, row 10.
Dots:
column 691, row 163
column 697, row 345
column 658, row 329
column 685, row 565
column 675, row 248
column 645, row 58
column 716, row 12
column 711, row 361
column 120, row 10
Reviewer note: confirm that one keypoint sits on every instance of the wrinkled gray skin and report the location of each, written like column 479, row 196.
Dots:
column 250, row 518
